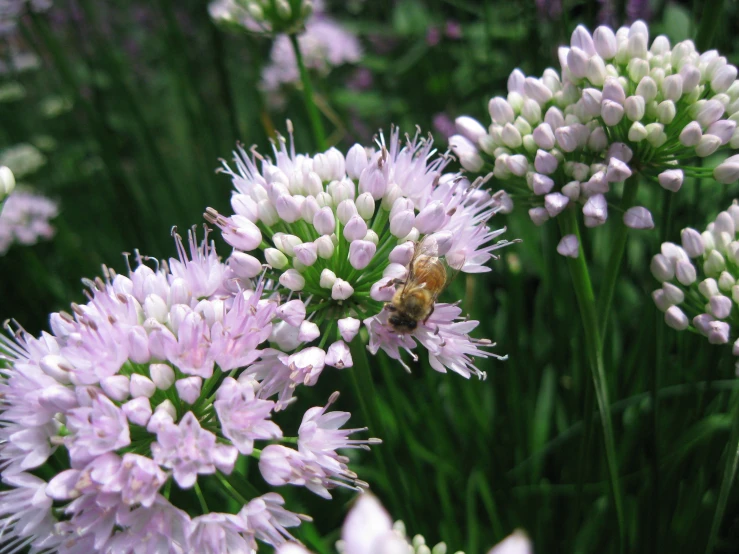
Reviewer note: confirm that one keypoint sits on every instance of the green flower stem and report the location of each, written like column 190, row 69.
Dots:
column 732, row 461
column 593, row 346
column 201, row 499
column 364, row 388
column 616, row 255
column 315, row 118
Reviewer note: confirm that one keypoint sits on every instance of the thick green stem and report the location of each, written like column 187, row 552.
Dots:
column 315, row 118
column 593, row 347
column 617, row 253
column 732, row 461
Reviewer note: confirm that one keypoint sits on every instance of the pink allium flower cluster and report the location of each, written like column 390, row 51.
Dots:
column 617, row 107
column 699, row 280
column 137, row 395
column 25, row 219
column 338, row 231
column 325, row 44
column 368, row 529
column 263, row 17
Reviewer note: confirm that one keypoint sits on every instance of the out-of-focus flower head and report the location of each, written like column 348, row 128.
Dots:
column 268, row 17
column 368, row 529
column 25, row 218
column 23, row 159
column 12, row 10
column 142, row 391
column 324, row 44
column 700, row 288
column 338, row 232
column 619, row 106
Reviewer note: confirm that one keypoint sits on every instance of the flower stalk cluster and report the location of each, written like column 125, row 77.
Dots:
column 339, row 231
column 266, row 17
column 699, row 289
column 161, row 383
column 617, row 107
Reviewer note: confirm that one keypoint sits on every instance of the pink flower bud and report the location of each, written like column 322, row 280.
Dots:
column 244, row 265
column 566, row 138
column 138, row 410
column 672, row 88
column 430, row 218
column 361, row 253
column 341, row 290
column 572, row 190
column 707, row 145
column 246, row 206
column 345, row 211
column 612, row 90
column 662, row 268
column 720, row 306
column 138, row 344
column 569, row 246
column 723, row 129
column 554, row 203
column 619, row 151
column 596, row 209
column 466, row 152
column 718, row 332
column 402, row 223
column 675, row 318
column 288, row 208
column 356, row 161
column 727, row 172
column 544, row 136
column 685, row 273
column 691, row 77
column 308, row 331
column 365, row 205
column 339, row 356
column 581, row 39
column 116, row 387
column 373, row 181
column 591, row 101
column 673, row 294
column 691, row 134
column 292, row 280
column 241, row 233
column 355, row 229
column 470, row 128
column 702, row 322
column 537, row 90
column 577, row 62
column 402, row 253
column 501, row 111
column 188, row 388
column 292, row 312
column 142, row 386
column 348, row 328
column 555, row 118
column 162, row 375
column 638, row 217
column 708, row 112
column 671, row 179
column 617, row 171
column 611, row 112
column 660, row 300
column 518, row 164
column 306, row 253
column 539, row 216
column 545, row 162
column 308, row 209
column 605, row 42
column 723, row 78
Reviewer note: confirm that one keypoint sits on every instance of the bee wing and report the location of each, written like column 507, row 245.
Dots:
column 431, row 248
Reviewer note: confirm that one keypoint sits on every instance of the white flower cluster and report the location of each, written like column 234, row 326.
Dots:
column 617, row 107
column 261, row 16
column 700, row 280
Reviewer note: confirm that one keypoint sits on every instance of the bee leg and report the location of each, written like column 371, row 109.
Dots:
column 396, row 282
column 433, row 307
column 390, row 308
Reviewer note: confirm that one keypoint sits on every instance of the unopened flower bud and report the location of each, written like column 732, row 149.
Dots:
column 544, row 136
column 324, row 247
column 292, row 280
column 572, row 190
column 662, row 268
column 569, row 246
column 518, row 164
column 671, row 179
column 554, row 203
column 470, row 128
column 611, row 112
column 538, row 215
column 605, row 42
column 727, row 172
column 676, row 318
column 707, row 145
column 617, row 171
column 536, row 89
column 685, row 273
column 244, row 265
column 468, row 155
column 708, row 288
column 142, row 386
column 360, row 253
column 637, row 132
column 275, row 258
column 723, row 78
column 308, row 331
column 7, row 182
column 634, row 107
column 718, row 332
column 714, row 264
column 666, row 112
column 638, row 217
column 117, row 387
column 647, row 89
column 341, row 290
column 138, row 410
column 595, row 210
column 356, row 161
column 660, row 300
column 188, row 388
column 545, row 162
column 501, row 111
column 566, row 138
column 541, row 184
column 162, row 375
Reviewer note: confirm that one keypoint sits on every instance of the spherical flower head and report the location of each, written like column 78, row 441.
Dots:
column 617, row 109
column 161, row 379
column 25, row 218
column 267, row 17
column 349, row 227
column 701, row 268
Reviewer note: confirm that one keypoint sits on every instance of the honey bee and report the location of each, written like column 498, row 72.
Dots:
column 428, row 275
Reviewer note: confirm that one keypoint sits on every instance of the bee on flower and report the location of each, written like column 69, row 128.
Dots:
column 339, row 234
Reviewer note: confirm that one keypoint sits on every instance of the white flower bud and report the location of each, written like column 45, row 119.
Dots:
column 727, row 171
column 647, row 89
column 356, row 161
column 656, row 135
column 691, row 134
column 577, row 62
column 611, row 112
column 515, row 82
column 660, row 300
column 671, row 179
column 638, row 217
column 538, row 215
column 501, row 111
column 723, row 129
column 544, row 136
column 544, row 162
column 468, row 155
column 662, row 268
column 726, row 282
column 596, row 71
column 292, row 280
column 672, row 87
column 634, row 107
column 723, row 78
column 708, row 112
column 595, row 210
column 666, row 112
column 470, row 128
column 7, row 182
column 531, row 111
column 676, row 318
column 685, row 273
column 518, row 164
column 511, row 136
column 714, row 264
column 637, row 132
column 604, row 41
column 707, row 145
column 572, row 190
column 341, row 290
column 691, row 76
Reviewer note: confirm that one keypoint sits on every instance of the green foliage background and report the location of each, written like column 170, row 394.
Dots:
column 135, row 102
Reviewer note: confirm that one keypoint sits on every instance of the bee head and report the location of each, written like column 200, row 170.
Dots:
column 402, row 323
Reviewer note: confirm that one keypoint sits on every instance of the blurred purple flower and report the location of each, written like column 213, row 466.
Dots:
column 444, row 125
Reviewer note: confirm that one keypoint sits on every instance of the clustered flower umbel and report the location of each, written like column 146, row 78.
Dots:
column 25, row 218
column 618, row 107
column 368, row 529
column 110, row 423
column 699, row 280
column 338, row 232
column 267, row 17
